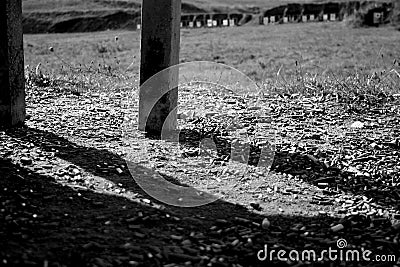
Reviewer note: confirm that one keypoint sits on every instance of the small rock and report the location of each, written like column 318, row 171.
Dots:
column 322, row 185
column 337, row 228
column 139, row 235
column 26, row 161
column 265, row 223
column 254, row 108
column 375, row 146
column 91, row 245
column 235, row 242
column 186, row 242
column 211, row 114
column 147, row 201
column 357, row 124
column 176, row 237
column 75, row 172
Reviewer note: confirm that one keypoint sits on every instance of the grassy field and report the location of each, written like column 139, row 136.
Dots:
column 292, row 51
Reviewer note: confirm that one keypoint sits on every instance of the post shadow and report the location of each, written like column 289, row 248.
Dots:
column 88, row 158
column 109, row 230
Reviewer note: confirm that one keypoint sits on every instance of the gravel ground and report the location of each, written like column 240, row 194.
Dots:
column 68, row 197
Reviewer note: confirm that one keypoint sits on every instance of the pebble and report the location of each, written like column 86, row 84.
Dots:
column 26, row 161
column 186, row 242
column 337, row 228
column 235, row 242
column 265, row 224
column 147, row 201
column 254, row 108
column 75, row 172
column 176, row 237
column 357, row 124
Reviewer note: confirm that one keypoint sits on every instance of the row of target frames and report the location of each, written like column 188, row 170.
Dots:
column 303, row 18
column 265, row 21
column 209, row 23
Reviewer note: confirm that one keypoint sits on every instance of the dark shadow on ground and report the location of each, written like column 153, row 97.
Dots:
column 316, row 172
column 306, row 166
column 45, row 223
column 42, row 219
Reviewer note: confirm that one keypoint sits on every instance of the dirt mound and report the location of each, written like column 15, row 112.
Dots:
column 118, row 4
column 124, row 4
column 80, row 21
column 115, row 20
column 190, row 8
column 119, row 14
column 33, row 24
column 370, row 14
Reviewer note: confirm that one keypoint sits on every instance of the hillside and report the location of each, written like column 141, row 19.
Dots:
column 187, row 6
column 42, row 16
